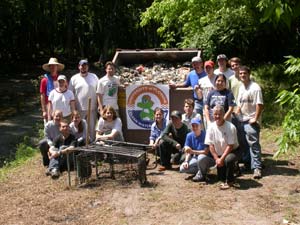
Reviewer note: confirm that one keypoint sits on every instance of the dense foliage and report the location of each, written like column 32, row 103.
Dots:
column 71, row 29
column 290, row 100
column 256, row 30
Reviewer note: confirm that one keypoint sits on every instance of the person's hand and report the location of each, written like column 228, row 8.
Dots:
column 188, row 151
column 185, row 165
column 219, row 162
column 178, row 146
column 54, row 155
column 252, row 121
column 45, row 115
column 154, row 146
column 172, row 85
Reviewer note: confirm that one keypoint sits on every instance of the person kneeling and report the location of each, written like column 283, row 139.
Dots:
column 109, row 126
column 221, row 137
column 63, row 144
column 195, row 150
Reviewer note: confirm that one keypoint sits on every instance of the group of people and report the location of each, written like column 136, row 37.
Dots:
column 69, row 109
column 223, row 128
column 220, row 125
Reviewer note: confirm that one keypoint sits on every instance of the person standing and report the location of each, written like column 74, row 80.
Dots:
column 219, row 96
column 48, row 83
column 223, row 66
column 234, row 81
column 192, row 80
column 207, row 83
column 249, row 110
column 84, row 85
column 62, row 99
column 107, row 88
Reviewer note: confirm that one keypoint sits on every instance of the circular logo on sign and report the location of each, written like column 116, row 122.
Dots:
column 141, row 104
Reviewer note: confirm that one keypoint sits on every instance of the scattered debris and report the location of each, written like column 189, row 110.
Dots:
column 160, row 73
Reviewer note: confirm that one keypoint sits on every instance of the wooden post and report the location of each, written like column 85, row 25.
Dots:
column 87, row 141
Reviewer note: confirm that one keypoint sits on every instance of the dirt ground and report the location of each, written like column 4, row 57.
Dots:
column 27, row 196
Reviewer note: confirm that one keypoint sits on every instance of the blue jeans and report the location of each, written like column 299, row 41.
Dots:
column 199, row 107
column 253, row 153
column 193, row 166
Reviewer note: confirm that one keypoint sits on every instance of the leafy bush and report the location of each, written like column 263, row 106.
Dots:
column 290, row 100
column 269, row 77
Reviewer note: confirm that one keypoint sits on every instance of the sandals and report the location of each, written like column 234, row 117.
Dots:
column 224, row 186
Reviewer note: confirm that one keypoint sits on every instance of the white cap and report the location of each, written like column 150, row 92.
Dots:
column 196, row 59
column 62, row 77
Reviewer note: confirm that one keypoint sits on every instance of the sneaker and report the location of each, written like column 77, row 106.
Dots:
column 48, row 172
column 257, row 174
column 198, row 178
column 54, row 173
column 190, row 177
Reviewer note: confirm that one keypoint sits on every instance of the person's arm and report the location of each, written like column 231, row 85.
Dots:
column 227, row 115
column 72, row 105
column 199, row 152
column 44, row 106
column 49, row 110
column 67, row 150
column 100, row 102
column 228, row 149
column 213, row 152
column 206, row 114
column 258, row 111
column 110, row 136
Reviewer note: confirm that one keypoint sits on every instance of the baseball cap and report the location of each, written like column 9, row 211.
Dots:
column 176, row 113
column 222, row 56
column 62, row 77
column 196, row 121
column 83, row 61
column 196, row 59
column 209, row 63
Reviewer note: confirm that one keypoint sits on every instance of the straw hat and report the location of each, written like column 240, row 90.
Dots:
column 53, row 61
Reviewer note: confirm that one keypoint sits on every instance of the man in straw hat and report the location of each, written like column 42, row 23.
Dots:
column 49, row 82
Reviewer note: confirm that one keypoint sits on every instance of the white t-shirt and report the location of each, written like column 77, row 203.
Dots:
column 83, row 88
column 247, row 100
column 108, row 127
column 228, row 73
column 221, row 136
column 61, row 101
column 206, row 84
column 108, row 88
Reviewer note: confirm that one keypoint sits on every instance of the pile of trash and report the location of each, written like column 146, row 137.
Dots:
column 159, row 73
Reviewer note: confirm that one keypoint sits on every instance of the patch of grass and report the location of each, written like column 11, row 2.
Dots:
column 24, row 152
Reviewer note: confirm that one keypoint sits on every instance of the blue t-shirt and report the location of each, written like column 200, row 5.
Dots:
column 224, row 98
column 192, row 80
column 195, row 142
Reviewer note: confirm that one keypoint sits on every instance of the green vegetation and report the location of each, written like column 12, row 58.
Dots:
column 259, row 30
column 290, row 100
column 24, row 152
